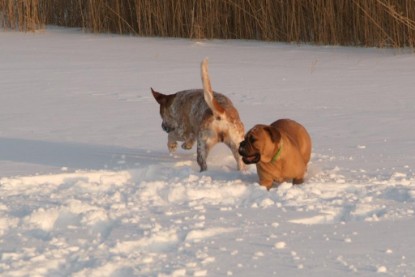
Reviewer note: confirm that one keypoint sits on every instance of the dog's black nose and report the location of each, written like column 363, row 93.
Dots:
column 241, row 149
column 166, row 128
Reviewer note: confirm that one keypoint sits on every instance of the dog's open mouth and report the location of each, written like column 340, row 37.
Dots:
column 253, row 159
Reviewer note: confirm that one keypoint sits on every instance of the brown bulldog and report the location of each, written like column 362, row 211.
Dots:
column 201, row 115
column 280, row 151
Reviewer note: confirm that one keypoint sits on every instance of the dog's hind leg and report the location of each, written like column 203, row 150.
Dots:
column 298, row 181
column 234, row 148
column 205, row 141
column 202, row 153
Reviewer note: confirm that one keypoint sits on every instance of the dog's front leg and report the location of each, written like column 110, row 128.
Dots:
column 266, row 183
column 171, row 143
column 188, row 143
column 265, row 179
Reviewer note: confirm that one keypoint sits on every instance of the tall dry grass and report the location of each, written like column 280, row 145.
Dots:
column 22, row 15
column 378, row 23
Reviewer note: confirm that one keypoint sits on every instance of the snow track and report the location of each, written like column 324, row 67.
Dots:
column 133, row 222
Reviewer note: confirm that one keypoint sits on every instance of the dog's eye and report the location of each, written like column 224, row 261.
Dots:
column 251, row 139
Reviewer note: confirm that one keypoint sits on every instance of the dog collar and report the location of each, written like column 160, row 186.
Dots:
column 277, row 154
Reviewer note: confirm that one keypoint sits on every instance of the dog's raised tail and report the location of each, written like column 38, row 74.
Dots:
column 213, row 104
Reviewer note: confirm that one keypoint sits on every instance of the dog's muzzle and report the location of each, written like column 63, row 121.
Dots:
column 166, row 127
column 248, row 158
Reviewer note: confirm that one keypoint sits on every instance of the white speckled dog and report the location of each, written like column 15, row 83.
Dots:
column 200, row 115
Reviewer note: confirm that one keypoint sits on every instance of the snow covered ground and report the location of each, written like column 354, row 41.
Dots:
column 87, row 187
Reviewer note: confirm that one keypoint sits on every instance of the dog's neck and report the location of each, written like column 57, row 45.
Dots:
column 277, row 155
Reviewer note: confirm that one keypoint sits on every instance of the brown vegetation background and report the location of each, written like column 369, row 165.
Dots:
column 379, row 23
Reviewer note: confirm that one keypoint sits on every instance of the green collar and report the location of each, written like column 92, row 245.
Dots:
column 277, row 154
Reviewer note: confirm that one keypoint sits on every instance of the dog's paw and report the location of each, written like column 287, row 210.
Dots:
column 172, row 146
column 242, row 167
column 187, row 145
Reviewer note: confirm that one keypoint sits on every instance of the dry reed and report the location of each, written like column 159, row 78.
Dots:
column 22, row 15
column 380, row 23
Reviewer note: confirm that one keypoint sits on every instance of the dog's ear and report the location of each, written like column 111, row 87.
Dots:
column 160, row 98
column 273, row 133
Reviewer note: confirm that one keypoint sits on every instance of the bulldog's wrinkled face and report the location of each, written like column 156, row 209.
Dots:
column 258, row 144
column 250, row 148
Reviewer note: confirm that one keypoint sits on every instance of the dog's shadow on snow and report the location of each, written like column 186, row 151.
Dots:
column 52, row 157
column 73, row 156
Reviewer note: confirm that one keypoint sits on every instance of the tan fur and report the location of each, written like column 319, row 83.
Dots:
column 263, row 142
column 216, row 108
column 204, row 116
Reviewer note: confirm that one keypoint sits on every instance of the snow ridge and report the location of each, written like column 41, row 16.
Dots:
column 134, row 222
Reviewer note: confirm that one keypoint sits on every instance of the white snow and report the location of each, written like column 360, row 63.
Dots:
column 87, row 187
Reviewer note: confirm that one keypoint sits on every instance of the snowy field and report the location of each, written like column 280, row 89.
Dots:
column 87, row 187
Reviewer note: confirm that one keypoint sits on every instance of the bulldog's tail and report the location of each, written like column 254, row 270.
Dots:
column 213, row 104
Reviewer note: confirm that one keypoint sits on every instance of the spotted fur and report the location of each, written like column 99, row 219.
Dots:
column 201, row 116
